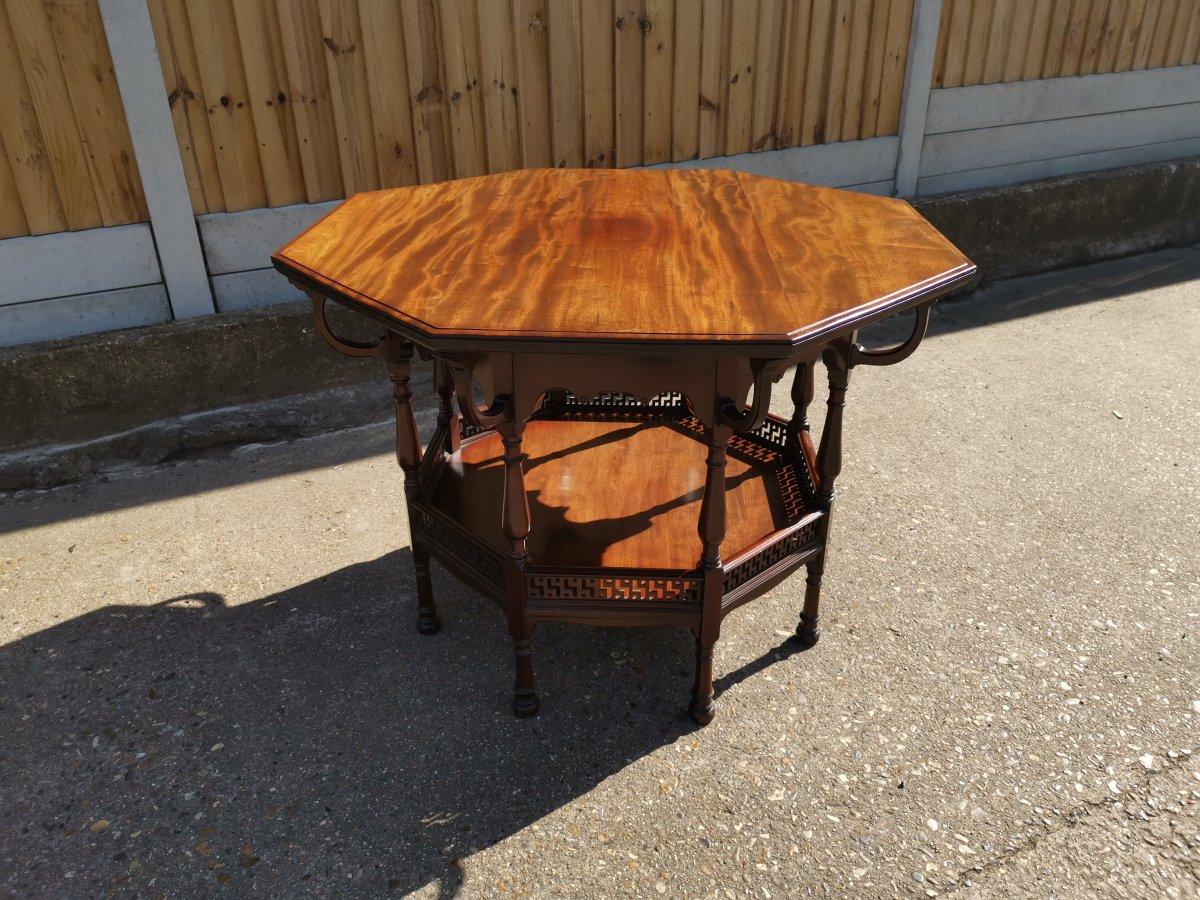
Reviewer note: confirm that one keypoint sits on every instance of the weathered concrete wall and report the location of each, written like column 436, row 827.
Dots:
column 134, row 395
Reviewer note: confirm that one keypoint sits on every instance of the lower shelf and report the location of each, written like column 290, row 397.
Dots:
column 608, row 493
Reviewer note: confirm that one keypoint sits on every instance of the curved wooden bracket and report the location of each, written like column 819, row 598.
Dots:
column 765, row 375
column 346, row 348
column 480, row 417
column 887, row 356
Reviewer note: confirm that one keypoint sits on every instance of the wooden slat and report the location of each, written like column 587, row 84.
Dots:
column 900, row 16
column 343, row 41
column 388, row 92
column 1145, row 34
column 460, row 61
column 659, row 30
column 1000, row 33
column 1056, row 36
column 977, row 41
column 99, row 116
column 533, row 92
column 956, row 43
column 856, row 70
column 943, row 40
column 1073, row 41
column 425, row 87
column 767, row 70
column 24, row 146
column 816, row 78
column 266, row 83
column 309, row 99
column 223, row 84
column 1131, row 29
column 628, row 79
column 743, row 38
column 792, row 71
column 1191, row 44
column 1014, row 61
column 1178, row 34
column 1163, row 26
column 498, row 81
column 685, row 123
column 566, row 87
column 179, row 119
column 1093, row 37
column 1110, row 38
column 713, row 68
column 12, row 216
column 873, row 80
column 1039, row 34
column 839, row 55
column 51, row 103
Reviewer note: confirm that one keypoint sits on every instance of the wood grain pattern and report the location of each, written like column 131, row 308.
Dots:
column 68, row 160
column 989, row 41
column 665, row 256
column 384, row 94
column 578, row 519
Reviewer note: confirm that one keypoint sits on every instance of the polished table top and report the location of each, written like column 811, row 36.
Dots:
column 669, row 259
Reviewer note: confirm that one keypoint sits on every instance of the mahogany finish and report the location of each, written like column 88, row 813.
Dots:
column 647, row 489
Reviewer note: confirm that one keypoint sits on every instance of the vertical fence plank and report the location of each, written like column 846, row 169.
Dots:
column 957, row 37
column 388, row 92
column 792, row 70
column 498, row 77
column 1014, row 60
column 873, row 79
column 533, row 93
column 99, row 117
column 460, row 59
column 1073, row 41
column 342, row 37
column 900, row 17
column 685, row 123
column 977, row 41
column 12, row 216
column 739, row 91
column 839, row 55
column 1039, row 34
column 224, row 89
column 1130, row 31
column 999, row 35
column 1145, row 35
column 51, row 104
column 816, row 77
column 310, row 101
column 767, row 71
column 1191, row 43
column 1056, row 37
column 596, row 20
column 26, row 150
column 659, row 30
column 713, row 66
column 856, row 70
column 262, row 60
column 566, row 82
column 628, row 77
column 425, row 86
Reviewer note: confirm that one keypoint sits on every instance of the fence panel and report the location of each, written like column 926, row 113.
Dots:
column 278, row 102
column 66, row 162
column 993, row 41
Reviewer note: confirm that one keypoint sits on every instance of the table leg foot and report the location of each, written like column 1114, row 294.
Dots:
column 427, row 617
column 702, row 710
column 525, row 698
column 808, row 632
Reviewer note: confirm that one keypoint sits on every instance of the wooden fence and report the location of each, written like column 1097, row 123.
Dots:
column 66, row 162
column 250, row 118
column 990, row 41
column 309, row 100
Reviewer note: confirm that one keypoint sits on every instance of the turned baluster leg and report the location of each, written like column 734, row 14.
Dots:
column 408, row 454
column 799, row 437
column 515, row 522
column 448, row 416
column 829, row 465
column 712, row 533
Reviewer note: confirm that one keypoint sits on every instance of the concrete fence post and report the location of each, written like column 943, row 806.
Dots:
column 914, row 104
column 139, row 78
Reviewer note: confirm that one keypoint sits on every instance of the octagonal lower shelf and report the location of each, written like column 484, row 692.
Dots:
column 614, row 502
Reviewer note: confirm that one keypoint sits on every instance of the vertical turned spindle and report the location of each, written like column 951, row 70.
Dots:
column 711, row 527
column 799, row 437
column 408, row 454
column 515, row 524
column 448, row 417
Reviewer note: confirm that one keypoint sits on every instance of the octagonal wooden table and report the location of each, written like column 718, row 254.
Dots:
column 624, row 330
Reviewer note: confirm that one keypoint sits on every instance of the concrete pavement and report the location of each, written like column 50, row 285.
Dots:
column 210, row 680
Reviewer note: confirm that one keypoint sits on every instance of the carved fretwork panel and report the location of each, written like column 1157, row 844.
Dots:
column 460, row 546
column 558, row 588
column 756, row 565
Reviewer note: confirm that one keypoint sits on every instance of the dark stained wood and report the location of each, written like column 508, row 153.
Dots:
column 623, row 331
column 667, row 257
column 610, row 494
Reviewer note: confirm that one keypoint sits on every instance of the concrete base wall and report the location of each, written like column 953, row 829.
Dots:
column 71, row 408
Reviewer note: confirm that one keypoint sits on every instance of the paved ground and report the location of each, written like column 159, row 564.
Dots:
column 209, row 678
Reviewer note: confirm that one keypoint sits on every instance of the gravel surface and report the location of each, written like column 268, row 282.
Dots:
column 210, row 680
